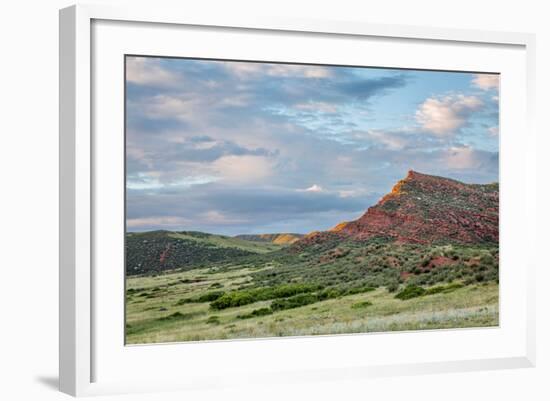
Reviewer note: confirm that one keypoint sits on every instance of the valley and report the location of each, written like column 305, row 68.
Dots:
column 425, row 257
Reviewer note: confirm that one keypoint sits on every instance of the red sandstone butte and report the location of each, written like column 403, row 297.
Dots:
column 424, row 209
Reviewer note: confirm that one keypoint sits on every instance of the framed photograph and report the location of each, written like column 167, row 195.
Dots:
column 281, row 200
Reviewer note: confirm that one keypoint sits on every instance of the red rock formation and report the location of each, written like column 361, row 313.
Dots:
column 422, row 209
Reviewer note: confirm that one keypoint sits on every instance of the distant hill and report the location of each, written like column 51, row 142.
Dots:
column 157, row 251
column 281, row 239
column 425, row 209
column 421, row 209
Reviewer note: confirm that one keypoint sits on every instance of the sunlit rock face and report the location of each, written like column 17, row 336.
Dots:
column 423, row 208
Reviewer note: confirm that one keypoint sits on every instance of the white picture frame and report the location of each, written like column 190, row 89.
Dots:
column 83, row 349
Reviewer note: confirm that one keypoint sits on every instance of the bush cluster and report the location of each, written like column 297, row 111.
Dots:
column 443, row 288
column 414, row 291
column 410, row 291
column 294, row 302
column 245, row 297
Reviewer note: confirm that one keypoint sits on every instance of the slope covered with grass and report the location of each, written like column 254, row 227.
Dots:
column 158, row 251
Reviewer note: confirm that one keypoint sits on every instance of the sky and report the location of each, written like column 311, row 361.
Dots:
column 233, row 148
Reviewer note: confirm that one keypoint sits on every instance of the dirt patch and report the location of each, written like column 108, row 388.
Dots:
column 437, row 262
column 405, row 275
column 473, row 262
column 440, row 261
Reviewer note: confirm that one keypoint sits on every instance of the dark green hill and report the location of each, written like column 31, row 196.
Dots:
column 157, row 251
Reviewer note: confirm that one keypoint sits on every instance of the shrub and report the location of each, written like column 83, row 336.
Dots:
column 288, row 290
column 392, row 287
column 256, row 313
column 179, row 316
column 469, row 280
column 435, row 290
column 359, row 290
column 294, row 302
column 360, row 305
column 486, row 259
column 410, row 291
column 329, row 293
column 237, row 298
column 443, row 289
column 213, row 320
column 210, row 296
column 174, row 316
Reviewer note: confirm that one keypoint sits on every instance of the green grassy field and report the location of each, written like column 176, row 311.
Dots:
column 180, row 306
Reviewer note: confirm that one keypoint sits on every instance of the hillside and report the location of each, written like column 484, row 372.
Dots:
column 425, row 209
column 281, row 238
column 421, row 210
column 425, row 256
column 157, row 251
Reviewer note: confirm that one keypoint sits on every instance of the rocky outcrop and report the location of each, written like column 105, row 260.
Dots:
column 423, row 208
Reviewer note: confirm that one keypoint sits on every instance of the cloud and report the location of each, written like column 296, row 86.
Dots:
column 466, row 158
column 243, row 169
column 486, row 81
column 148, row 71
column 148, row 182
column 306, row 71
column 182, row 161
column 365, row 88
column 210, row 150
column 352, row 193
column 321, row 107
column 217, row 217
column 157, row 221
column 493, row 131
column 235, row 209
column 248, row 147
column 391, row 140
column 444, row 116
column 167, row 106
column 313, row 188
column 213, row 97
column 339, row 183
column 249, row 70
column 401, row 140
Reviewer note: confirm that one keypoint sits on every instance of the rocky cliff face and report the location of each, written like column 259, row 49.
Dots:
column 424, row 209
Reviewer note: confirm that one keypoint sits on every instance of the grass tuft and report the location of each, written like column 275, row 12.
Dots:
column 361, row 305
